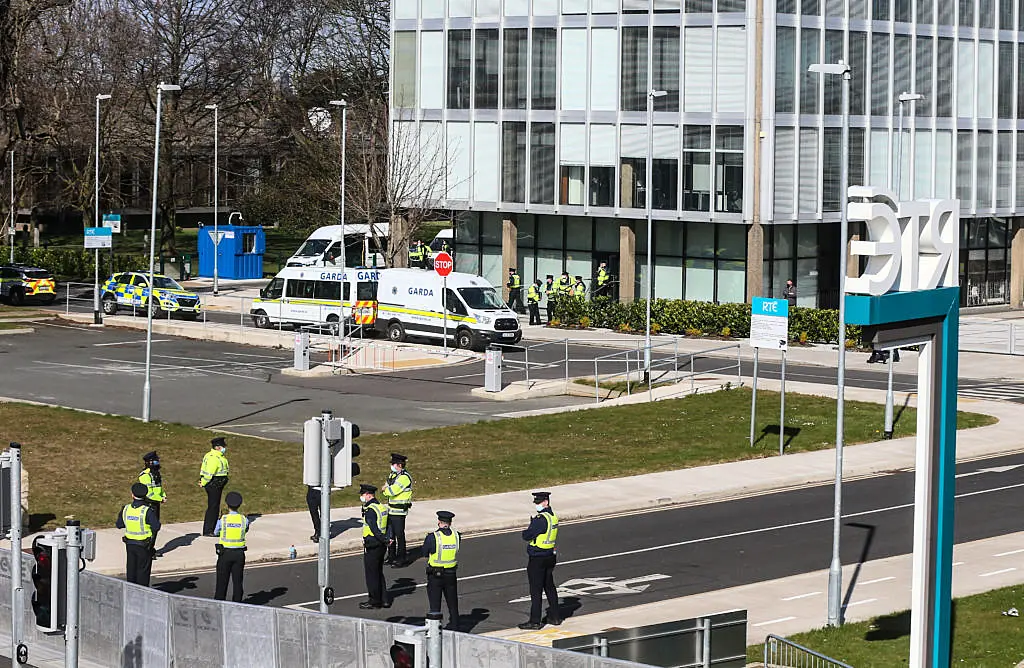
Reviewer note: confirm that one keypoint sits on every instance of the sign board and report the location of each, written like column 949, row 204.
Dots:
column 769, row 323
column 98, row 237
column 113, row 221
column 443, row 264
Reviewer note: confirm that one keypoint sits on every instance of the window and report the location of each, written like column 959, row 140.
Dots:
column 880, row 74
column 1005, row 80
column 517, row 61
column 1004, row 171
column 405, row 70
column 903, row 11
column 833, row 85
column 460, row 62
column 666, row 68
column 571, row 180
column 1006, row 15
column 810, row 7
column 880, row 10
column 833, row 155
column 964, row 186
column 965, row 78
column 140, row 281
column 901, row 66
column 634, row 180
column 602, row 180
column 542, row 163
column 966, row 13
column 545, row 58
column 858, row 72
column 299, row 289
column 944, row 72
column 248, row 242
column 274, row 290
column 572, row 157
column 729, row 169
column 697, row 168
column 986, row 14
column 487, row 64
column 634, row 69
column 454, row 304
column 664, row 183
column 923, row 77
column 983, row 191
column 481, row 299
column 785, row 6
column 327, row 290
column 810, row 39
column 603, row 156
column 513, row 161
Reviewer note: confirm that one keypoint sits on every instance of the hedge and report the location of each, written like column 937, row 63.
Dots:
column 694, row 318
column 71, row 263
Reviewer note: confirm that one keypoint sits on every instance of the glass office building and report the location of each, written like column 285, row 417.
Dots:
column 533, row 115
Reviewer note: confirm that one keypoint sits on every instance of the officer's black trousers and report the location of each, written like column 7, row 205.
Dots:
column 214, row 489
column 373, row 565
column 396, row 524
column 313, row 503
column 515, row 299
column 444, row 581
column 534, row 313
column 550, row 307
column 230, row 564
column 541, row 573
column 139, row 562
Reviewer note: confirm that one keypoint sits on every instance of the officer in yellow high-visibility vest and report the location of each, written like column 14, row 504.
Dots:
column 231, row 531
column 533, row 295
column 515, row 290
column 541, row 536
column 398, row 491
column 551, row 293
column 579, row 289
column 375, row 546
column 153, row 480
column 442, row 550
column 139, row 526
column 604, row 280
column 213, row 477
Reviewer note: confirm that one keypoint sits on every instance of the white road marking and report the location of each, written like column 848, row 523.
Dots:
column 129, row 343
column 999, row 572
column 800, row 596
column 774, row 621
column 107, row 369
column 958, row 563
column 175, row 367
column 448, row 410
column 867, row 600
column 80, row 329
column 1004, row 554
column 246, row 424
column 269, row 357
column 871, row 582
column 994, row 469
column 465, row 375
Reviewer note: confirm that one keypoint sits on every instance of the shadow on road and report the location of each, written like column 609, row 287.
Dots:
column 265, row 596
column 177, row 586
column 773, row 429
column 252, row 413
column 870, row 528
column 176, row 542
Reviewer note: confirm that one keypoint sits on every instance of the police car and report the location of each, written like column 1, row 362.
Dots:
column 131, row 290
column 20, row 284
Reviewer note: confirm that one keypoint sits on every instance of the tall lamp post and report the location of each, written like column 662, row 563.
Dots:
column 344, row 130
column 835, row 569
column 97, row 316
column 10, row 227
column 216, row 173
column 160, row 89
column 648, row 188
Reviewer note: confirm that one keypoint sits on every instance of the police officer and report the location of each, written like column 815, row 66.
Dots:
column 151, row 478
column 515, row 290
column 375, row 545
column 140, row 526
column 564, row 284
column 533, row 294
column 551, row 292
column 231, row 530
column 213, row 476
column 313, row 503
column 603, row 280
column 416, row 255
column 541, row 536
column 579, row 289
column 398, row 491
column 442, row 548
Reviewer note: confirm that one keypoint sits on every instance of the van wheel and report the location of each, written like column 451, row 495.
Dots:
column 109, row 304
column 260, row 319
column 396, row 333
column 464, row 339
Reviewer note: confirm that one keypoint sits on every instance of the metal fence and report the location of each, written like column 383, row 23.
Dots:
column 782, row 653
column 992, row 336
column 136, row 627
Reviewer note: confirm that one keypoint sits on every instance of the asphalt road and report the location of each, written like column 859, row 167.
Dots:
column 626, row 561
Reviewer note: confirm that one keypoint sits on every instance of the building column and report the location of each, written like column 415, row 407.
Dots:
column 755, row 261
column 509, row 249
column 1016, row 269
column 852, row 261
column 627, row 262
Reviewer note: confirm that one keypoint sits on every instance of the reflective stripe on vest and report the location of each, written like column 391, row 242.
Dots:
column 402, row 500
column 602, row 276
column 382, row 518
column 517, row 281
column 446, row 550
column 232, row 530
column 135, row 525
column 156, row 491
column 532, row 295
column 546, row 541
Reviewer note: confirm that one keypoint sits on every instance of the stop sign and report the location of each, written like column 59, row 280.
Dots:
column 443, row 264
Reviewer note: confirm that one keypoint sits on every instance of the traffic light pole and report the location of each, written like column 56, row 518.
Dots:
column 17, row 589
column 434, row 639
column 74, row 541
column 324, row 546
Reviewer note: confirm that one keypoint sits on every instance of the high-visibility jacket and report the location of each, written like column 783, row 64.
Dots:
column 215, row 464
column 563, row 286
column 603, row 277
column 398, row 489
column 156, row 489
column 446, row 550
column 233, row 528
column 382, row 518
column 547, row 540
column 136, row 528
column 579, row 290
column 533, row 295
column 515, row 281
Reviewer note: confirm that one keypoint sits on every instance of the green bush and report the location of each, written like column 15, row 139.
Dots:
column 72, row 263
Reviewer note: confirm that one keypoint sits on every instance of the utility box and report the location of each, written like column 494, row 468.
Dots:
column 301, row 351
column 492, row 370
column 239, row 251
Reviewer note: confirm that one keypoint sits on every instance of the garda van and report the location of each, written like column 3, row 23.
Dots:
column 314, row 295
column 364, row 247
column 410, row 303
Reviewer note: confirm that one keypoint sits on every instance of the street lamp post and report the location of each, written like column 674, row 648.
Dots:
column 10, row 227
column 97, row 316
column 344, row 131
column 160, row 89
column 648, row 188
column 216, row 172
column 835, row 569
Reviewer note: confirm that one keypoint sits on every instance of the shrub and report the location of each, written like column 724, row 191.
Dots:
column 585, row 322
column 726, row 332
column 693, row 331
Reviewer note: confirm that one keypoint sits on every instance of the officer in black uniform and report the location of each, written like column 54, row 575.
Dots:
column 231, row 530
column 313, row 503
column 137, row 521
column 442, row 549
column 541, row 536
column 375, row 546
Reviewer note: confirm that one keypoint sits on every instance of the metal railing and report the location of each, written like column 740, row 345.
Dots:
column 991, row 336
column 782, row 653
column 667, row 369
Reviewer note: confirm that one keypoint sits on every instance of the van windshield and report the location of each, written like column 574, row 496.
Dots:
column 313, row 247
column 481, row 298
column 366, row 292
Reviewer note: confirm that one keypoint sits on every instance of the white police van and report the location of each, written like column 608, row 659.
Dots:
column 409, row 303
column 314, row 295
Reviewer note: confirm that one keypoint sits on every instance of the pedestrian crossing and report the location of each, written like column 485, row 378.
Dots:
column 994, row 392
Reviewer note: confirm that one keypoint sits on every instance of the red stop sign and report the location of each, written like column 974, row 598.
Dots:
column 443, row 264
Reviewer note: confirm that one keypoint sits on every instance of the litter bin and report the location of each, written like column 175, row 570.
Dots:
column 492, row 370
column 301, row 362
column 185, row 268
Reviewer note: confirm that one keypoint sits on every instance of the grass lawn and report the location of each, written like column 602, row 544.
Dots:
column 982, row 636
column 14, row 325
column 633, row 387
column 95, row 457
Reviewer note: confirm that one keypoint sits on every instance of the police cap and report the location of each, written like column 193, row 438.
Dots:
column 150, row 457
column 233, row 499
column 139, row 491
column 218, row 442
column 541, row 496
column 367, row 489
column 445, row 516
column 398, row 459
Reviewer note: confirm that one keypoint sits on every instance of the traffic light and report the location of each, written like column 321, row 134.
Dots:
column 344, row 468
column 407, row 651
column 50, row 576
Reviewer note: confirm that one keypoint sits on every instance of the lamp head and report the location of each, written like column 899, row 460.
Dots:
column 829, row 68
column 102, row 96
column 658, row 93
column 338, row 103
column 210, row 106
column 168, row 87
column 910, row 97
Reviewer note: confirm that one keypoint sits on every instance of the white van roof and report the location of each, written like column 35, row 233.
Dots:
column 334, row 231
column 419, row 276
column 447, row 233
column 329, row 273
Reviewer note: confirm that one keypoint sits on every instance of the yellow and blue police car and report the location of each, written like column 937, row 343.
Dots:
column 20, row 284
column 130, row 289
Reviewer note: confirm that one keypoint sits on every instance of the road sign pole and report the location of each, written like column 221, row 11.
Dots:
column 444, row 291
column 782, row 409
column 324, row 546
column 887, row 431
column 71, row 631
column 753, row 398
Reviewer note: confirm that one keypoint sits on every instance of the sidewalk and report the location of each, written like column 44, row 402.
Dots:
column 273, row 535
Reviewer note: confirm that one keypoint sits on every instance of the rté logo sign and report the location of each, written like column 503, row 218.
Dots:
column 911, row 245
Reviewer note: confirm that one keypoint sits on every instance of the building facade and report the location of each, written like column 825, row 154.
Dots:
column 534, row 115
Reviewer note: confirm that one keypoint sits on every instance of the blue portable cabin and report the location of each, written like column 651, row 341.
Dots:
column 240, row 252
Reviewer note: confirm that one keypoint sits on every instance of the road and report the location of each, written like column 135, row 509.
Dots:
column 626, row 561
